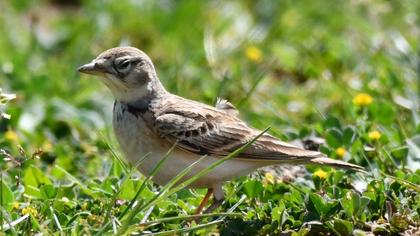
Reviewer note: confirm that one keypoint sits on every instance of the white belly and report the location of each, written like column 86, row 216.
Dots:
column 137, row 140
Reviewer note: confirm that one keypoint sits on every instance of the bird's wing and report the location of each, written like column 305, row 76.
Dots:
column 202, row 129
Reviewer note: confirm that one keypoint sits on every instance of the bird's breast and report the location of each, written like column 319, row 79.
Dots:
column 136, row 138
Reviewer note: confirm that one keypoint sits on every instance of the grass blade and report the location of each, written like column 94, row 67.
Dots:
column 115, row 195
column 10, row 224
column 56, row 219
column 135, row 210
column 114, row 153
column 260, row 77
column 187, row 217
column 186, row 230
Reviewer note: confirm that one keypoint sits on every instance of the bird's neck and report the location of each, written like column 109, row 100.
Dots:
column 141, row 95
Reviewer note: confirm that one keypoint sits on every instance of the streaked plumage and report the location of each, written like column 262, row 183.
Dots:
column 148, row 119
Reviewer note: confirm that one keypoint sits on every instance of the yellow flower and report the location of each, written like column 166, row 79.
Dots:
column 253, row 54
column 11, row 136
column 84, row 206
column 47, row 146
column 362, row 99
column 321, row 174
column 340, row 152
column 30, row 210
column 269, row 178
column 374, row 135
column 15, row 205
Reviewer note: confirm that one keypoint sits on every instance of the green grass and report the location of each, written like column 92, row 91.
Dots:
column 299, row 67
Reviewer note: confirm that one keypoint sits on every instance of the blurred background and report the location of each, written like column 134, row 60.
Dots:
column 289, row 61
column 303, row 67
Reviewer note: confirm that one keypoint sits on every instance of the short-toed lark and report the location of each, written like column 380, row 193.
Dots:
column 149, row 119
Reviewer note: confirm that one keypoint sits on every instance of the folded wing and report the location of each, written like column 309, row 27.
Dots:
column 206, row 130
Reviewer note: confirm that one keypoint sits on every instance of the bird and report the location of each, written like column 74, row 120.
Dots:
column 149, row 120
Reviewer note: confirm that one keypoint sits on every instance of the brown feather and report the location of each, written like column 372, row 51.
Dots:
column 206, row 130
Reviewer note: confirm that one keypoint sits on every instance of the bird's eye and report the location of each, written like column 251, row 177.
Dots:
column 122, row 67
column 124, row 64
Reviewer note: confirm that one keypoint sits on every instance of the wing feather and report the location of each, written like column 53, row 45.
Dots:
column 206, row 130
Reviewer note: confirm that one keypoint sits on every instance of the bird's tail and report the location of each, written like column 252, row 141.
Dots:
column 285, row 153
column 323, row 160
column 303, row 157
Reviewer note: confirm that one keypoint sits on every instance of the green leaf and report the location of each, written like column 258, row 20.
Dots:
column 400, row 153
column 332, row 122
column 347, row 204
column 319, row 203
column 33, row 179
column 334, row 138
column 128, row 189
column 294, row 196
column 276, row 212
column 110, row 185
column 253, row 188
column 66, row 191
column 348, row 136
column 364, row 201
column 6, row 196
column 48, row 191
column 343, row 227
column 383, row 112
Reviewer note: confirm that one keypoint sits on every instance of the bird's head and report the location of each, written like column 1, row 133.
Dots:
column 127, row 72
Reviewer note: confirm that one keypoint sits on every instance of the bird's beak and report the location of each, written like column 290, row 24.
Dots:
column 91, row 68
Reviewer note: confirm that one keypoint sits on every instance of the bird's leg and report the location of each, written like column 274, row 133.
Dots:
column 216, row 203
column 218, row 197
column 204, row 201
